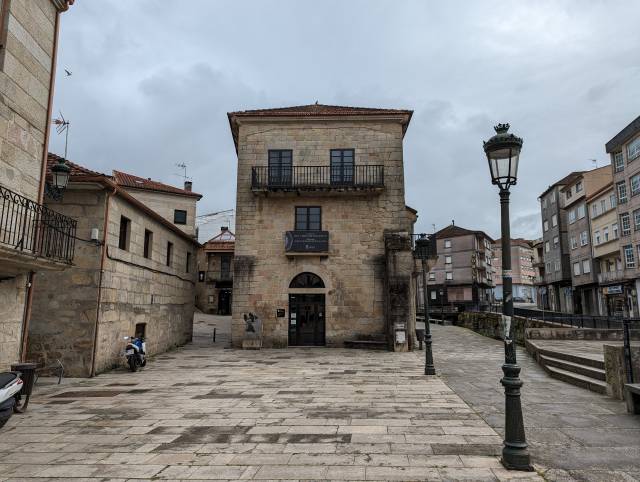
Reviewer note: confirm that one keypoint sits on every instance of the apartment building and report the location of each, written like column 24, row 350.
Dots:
column 214, row 291
column 624, row 149
column 323, row 250
column 463, row 274
column 537, row 251
column 584, row 272
column 557, row 269
column 134, row 273
column 32, row 237
column 522, row 271
column 605, row 236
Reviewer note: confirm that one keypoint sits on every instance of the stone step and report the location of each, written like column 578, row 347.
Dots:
column 366, row 344
column 560, row 355
column 578, row 368
column 578, row 380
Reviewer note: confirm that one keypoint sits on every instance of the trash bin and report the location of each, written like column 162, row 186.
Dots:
column 28, row 375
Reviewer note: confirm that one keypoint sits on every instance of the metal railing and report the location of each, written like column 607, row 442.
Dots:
column 611, row 276
column 219, row 275
column 317, row 177
column 30, row 227
column 577, row 320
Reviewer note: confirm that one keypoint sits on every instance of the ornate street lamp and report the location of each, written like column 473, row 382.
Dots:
column 59, row 180
column 503, row 153
column 426, row 249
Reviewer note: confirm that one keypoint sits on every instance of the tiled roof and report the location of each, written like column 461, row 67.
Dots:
column 315, row 110
column 623, row 136
column 76, row 170
column 453, row 231
column 565, row 180
column 129, row 180
column 224, row 241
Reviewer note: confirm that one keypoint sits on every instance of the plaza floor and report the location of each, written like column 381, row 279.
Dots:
column 209, row 413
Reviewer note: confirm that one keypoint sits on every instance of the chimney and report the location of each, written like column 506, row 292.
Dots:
column 224, row 228
column 188, row 185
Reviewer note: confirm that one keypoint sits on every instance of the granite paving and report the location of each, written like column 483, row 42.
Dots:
column 573, row 433
column 204, row 412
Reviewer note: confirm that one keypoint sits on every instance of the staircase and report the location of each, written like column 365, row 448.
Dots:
column 581, row 371
column 368, row 342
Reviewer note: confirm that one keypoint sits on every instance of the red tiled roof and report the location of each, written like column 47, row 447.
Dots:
column 315, row 110
column 129, row 180
column 453, row 231
column 224, row 241
column 76, row 170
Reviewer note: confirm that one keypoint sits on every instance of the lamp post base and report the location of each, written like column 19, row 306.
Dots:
column 429, row 368
column 515, row 453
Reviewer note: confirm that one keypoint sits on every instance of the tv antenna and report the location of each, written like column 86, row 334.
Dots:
column 62, row 125
column 184, row 176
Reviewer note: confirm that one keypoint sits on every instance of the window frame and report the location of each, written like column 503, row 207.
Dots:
column 279, row 173
column 342, row 173
column 618, row 161
column 175, row 216
column 625, row 231
column 169, row 252
column 629, row 261
column 147, row 247
column 124, row 233
column 621, row 190
column 296, row 226
column 631, row 156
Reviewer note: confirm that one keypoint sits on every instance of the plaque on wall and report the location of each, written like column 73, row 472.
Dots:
column 306, row 241
column 280, row 312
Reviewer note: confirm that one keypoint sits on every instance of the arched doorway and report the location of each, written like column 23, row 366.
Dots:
column 306, row 311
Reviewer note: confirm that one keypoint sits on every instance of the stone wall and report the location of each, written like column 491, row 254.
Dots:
column 616, row 368
column 210, row 263
column 139, row 290
column 354, row 270
column 166, row 203
column 12, row 300
column 65, row 303
column 490, row 324
column 24, row 93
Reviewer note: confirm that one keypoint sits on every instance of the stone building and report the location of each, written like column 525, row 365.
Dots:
column 323, row 253
column 624, row 149
column 573, row 199
column 605, row 237
column 28, row 45
column 134, row 273
column 462, row 277
column 522, row 270
column 557, row 270
column 214, row 291
column 537, row 250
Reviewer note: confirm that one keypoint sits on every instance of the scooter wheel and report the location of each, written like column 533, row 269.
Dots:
column 133, row 366
column 144, row 363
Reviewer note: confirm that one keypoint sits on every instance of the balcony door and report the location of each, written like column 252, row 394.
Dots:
column 342, row 166
column 280, row 167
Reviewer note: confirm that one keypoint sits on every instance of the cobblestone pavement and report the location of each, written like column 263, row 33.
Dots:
column 204, row 412
column 573, row 434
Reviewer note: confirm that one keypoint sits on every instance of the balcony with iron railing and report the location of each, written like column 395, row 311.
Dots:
column 214, row 276
column 358, row 178
column 612, row 276
column 32, row 236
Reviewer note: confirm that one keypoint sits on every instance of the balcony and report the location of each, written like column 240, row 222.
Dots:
column 611, row 276
column 297, row 179
column 32, row 236
column 217, row 276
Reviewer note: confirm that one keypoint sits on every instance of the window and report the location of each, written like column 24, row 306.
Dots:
column 613, row 201
column 225, row 267
column 449, row 275
column 553, row 198
column 342, row 166
column 633, row 149
column 574, row 242
column 579, row 186
column 307, row 280
column 554, row 220
column 584, row 238
column 629, row 260
column 614, row 228
column 567, row 194
column 544, row 203
column 280, row 167
column 618, row 161
column 625, row 222
column 603, row 205
column 586, row 266
column 556, row 264
column 581, row 213
column 622, row 192
column 594, row 210
column 636, row 220
column 434, row 294
column 556, row 241
column 447, row 259
column 148, row 243
column 635, row 184
column 125, row 233
column 596, row 237
column 447, row 243
column 211, row 299
column 547, row 248
column 308, row 218
column 605, row 233
column 179, row 216
column 169, row 253
column 545, row 226
column 432, row 276
column 572, row 216
column 576, row 269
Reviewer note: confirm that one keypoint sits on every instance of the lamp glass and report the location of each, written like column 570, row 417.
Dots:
column 60, row 178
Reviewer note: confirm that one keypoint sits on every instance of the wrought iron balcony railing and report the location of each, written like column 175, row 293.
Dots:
column 32, row 228
column 611, row 276
column 219, row 275
column 317, row 177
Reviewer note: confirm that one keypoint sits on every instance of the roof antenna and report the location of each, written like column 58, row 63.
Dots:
column 316, row 102
column 184, row 176
column 453, row 222
column 62, row 125
column 433, row 225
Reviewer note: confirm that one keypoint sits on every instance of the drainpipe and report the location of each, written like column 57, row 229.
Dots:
column 103, row 256
column 43, row 176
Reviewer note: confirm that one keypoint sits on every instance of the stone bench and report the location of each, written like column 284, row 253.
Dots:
column 632, row 396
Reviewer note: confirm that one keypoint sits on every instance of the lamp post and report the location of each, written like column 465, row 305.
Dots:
column 425, row 248
column 503, row 153
column 59, row 180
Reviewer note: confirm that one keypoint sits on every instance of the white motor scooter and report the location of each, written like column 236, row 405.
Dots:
column 10, row 386
column 135, row 352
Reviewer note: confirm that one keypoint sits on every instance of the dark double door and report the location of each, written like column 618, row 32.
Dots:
column 306, row 320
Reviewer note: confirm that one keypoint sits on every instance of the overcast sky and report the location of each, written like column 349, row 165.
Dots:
column 153, row 80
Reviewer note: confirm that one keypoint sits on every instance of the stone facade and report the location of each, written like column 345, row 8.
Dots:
column 214, row 289
column 26, row 71
column 130, row 290
column 353, row 270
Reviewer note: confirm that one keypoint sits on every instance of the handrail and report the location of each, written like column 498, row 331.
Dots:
column 317, row 177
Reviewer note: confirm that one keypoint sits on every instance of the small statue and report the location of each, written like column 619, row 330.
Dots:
column 249, row 323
